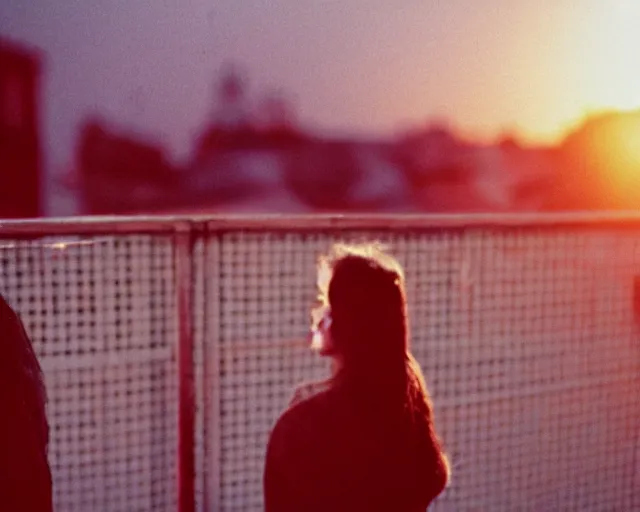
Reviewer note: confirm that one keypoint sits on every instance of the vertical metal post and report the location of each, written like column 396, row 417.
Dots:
column 212, row 377
column 183, row 258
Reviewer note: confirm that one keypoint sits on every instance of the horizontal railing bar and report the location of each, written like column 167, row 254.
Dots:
column 93, row 225
column 63, row 362
column 535, row 390
column 384, row 222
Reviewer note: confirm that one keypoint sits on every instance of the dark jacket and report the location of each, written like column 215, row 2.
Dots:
column 326, row 454
column 25, row 476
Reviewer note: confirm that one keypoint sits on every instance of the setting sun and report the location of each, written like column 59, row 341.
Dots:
column 544, row 71
column 623, row 151
column 602, row 159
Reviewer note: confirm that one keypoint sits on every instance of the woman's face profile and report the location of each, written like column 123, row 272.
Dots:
column 321, row 340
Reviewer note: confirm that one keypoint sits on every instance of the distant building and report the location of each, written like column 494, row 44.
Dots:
column 245, row 160
column 259, row 160
column 231, row 110
column 346, row 175
column 117, row 174
column 511, row 178
column 236, row 125
column 450, row 175
column 20, row 159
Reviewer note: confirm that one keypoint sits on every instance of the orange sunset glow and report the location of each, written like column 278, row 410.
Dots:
column 561, row 66
column 533, row 71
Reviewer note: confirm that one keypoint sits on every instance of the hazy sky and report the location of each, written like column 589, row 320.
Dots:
column 534, row 66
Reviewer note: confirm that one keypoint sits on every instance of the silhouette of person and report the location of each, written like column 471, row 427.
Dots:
column 364, row 439
column 25, row 476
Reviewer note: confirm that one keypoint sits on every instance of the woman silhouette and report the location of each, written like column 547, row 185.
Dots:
column 365, row 438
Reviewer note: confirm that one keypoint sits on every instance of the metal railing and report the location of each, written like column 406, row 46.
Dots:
column 186, row 233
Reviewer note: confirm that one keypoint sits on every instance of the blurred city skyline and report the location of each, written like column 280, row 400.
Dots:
column 533, row 69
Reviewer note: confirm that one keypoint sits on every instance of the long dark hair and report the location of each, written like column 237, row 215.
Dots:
column 370, row 328
column 364, row 290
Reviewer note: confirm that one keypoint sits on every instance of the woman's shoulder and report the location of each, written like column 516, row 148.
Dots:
column 308, row 391
column 302, row 418
column 306, row 409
